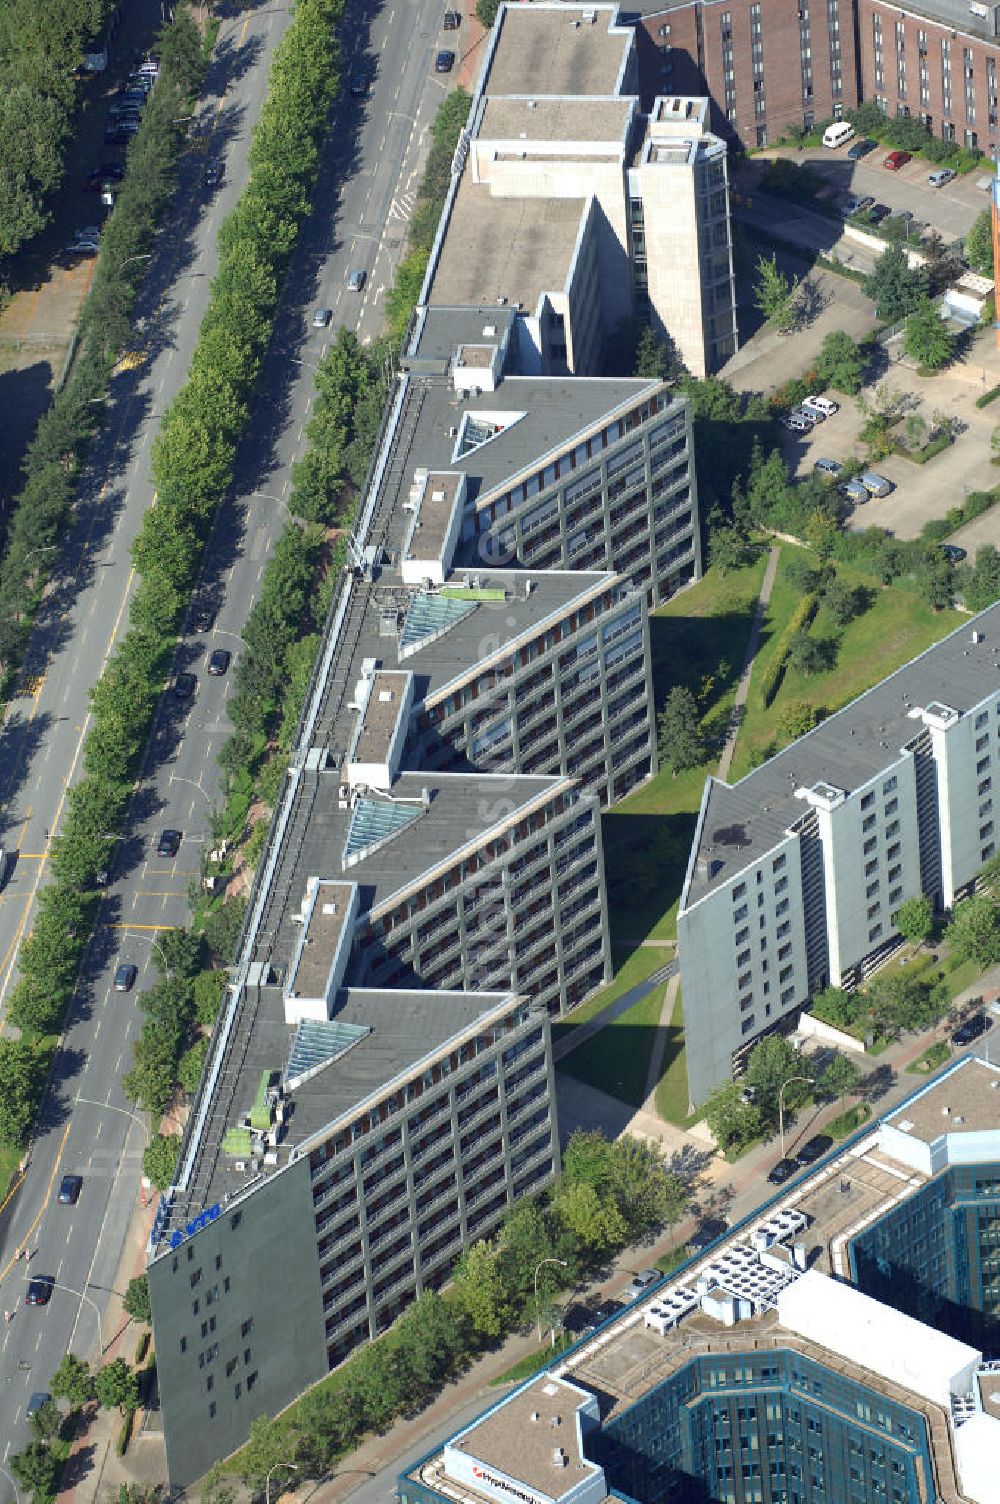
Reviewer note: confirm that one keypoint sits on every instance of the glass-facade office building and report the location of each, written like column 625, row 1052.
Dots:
column 770, row 1427
column 936, row 1255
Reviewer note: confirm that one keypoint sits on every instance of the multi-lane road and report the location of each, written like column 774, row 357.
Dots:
column 368, row 181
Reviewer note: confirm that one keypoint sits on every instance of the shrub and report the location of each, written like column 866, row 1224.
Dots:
column 988, row 397
column 125, row 1434
column 799, row 621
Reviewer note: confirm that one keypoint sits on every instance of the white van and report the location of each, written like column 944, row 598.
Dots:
column 837, row 133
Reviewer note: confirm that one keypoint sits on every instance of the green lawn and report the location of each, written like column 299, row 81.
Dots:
column 699, row 639
column 534, row 1361
column 672, row 1088
column 616, row 1060
column 897, row 626
column 640, row 964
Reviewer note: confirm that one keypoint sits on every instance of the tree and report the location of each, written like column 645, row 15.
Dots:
column 927, row 339
column 983, row 588
column 914, row 919
column 734, row 1121
column 159, row 1159
column 940, row 263
column 772, row 1063
column 594, row 1220
column 486, row 12
column 45, row 1421
column 22, row 1080
column 209, row 990
column 37, row 1469
column 526, row 1240
column 841, row 600
column 840, row 362
column 180, row 951
column 73, row 1381
column 115, row 1385
column 656, row 355
column 728, row 549
column 808, row 654
column 774, row 294
column 797, row 718
column 136, row 1300
column 841, row 1076
column 974, row 933
column 821, row 532
column 480, row 1289
column 894, row 287
column 679, row 736
column 430, row 1343
column 979, row 244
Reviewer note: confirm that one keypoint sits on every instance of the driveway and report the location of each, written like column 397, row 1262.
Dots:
column 769, row 359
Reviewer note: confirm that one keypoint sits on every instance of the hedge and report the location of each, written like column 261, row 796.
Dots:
column 921, row 456
column 988, row 397
column 975, row 504
column 799, row 621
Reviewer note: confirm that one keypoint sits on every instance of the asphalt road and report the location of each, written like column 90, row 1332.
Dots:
column 376, row 154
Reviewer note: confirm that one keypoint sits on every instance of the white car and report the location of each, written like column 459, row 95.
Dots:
column 821, row 405
column 941, row 176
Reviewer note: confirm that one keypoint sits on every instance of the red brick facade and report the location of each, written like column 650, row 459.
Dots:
column 945, row 77
column 767, row 64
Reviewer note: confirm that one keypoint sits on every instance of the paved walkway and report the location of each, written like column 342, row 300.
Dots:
column 743, row 688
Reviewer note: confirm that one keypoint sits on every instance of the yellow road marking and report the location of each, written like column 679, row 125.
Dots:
column 45, row 1201
column 124, row 925
column 24, row 827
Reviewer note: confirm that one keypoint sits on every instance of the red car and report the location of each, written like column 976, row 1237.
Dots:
column 897, row 159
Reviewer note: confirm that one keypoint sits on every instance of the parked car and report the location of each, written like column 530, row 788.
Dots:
column 972, row 1028
column 321, row 317
column 108, row 173
column 213, row 174
column 359, row 86
column 169, row 843
column 814, row 1148
column 356, row 280
column 861, row 148
column 452, row 20
column 811, row 414
column 828, row 467
column 69, row 1190
column 39, row 1291
column 875, row 484
column 125, row 976
column 203, row 617
column 853, row 490
column 940, row 176
column 897, row 159
column 706, row 1232
column 184, row 686
column 219, row 662
column 795, row 424
column 444, row 62
column 38, row 1399
column 824, row 405
column 641, row 1282
column 783, row 1170
column 953, row 553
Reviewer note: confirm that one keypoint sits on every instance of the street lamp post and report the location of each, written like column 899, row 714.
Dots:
column 93, row 1305
column 538, row 1268
column 267, row 1481
column 46, row 549
column 781, row 1106
column 157, row 944
column 144, row 257
column 296, row 361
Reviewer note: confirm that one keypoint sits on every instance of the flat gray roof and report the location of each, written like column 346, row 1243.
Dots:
column 551, row 119
column 531, row 1426
column 321, row 939
column 516, row 248
column 405, row 1028
column 381, row 714
column 441, row 330
column 970, row 1093
column 743, row 821
column 545, row 49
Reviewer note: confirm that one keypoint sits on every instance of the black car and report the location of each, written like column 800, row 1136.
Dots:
column 212, row 175
column 452, row 20
column 125, row 976
column 444, row 62
column 706, row 1232
column 814, row 1148
column 971, row 1029
column 219, row 662
column 69, row 1189
column 859, row 149
column 203, row 619
column 953, row 553
column 359, row 86
column 783, row 1170
column 169, row 843
column 185, row 686
column 40, row 1290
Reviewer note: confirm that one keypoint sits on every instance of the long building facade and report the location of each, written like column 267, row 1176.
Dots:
column 797, row 871
column 379, row 1088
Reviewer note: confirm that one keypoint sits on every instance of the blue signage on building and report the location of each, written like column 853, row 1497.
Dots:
column 202, row 1220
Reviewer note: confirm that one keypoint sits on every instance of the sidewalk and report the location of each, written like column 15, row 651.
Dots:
column 743, row 688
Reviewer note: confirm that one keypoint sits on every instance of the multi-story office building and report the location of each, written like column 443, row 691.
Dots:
column 378, row 1089
column 759, row 1373
column 766, row 65
column 578, row 211
column 797, row 870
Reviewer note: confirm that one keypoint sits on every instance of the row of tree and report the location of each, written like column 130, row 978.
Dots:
column 777, row 1079
column 41, row 48
column 114, row 1386
column 52, row 463
column 609, row 1195
column 192, row 466
column 50, row 957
